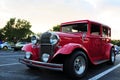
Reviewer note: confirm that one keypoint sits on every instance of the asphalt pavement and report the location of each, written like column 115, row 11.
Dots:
column 11, row 69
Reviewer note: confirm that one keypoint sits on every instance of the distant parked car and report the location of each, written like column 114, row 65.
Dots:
column 117, row 49
column 19, row 45
column 5, row 46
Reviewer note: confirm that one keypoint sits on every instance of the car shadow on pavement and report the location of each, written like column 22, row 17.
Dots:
column 45, row 74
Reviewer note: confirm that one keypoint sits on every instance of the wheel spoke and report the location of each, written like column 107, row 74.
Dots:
column 79, row 65
column 113, row 56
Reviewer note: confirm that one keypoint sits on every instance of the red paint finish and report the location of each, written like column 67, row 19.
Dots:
column 34, row 49
column 91, row 37
column 68, row 48
column 96, row 42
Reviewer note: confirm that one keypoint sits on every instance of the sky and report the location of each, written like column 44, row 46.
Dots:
column 44, row 14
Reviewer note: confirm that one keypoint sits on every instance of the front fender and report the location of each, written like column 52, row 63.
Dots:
column 27, row 48
column 34, row 49
column 69, row 48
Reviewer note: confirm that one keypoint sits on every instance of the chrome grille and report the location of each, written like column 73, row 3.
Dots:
column 45, row 38
column 47, row 49
column 45, row 45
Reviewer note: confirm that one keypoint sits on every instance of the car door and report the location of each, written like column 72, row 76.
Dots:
column 106, row 34
column 95, row 42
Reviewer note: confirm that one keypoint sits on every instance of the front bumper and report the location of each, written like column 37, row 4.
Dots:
column 51, row 66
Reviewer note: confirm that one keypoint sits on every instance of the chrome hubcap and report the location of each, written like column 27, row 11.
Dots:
column 112, row 56
column 79, row 65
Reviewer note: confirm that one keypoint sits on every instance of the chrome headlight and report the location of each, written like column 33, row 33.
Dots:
column 54, row 38
column 45, row 57
column 33, row 39
column 28, row 55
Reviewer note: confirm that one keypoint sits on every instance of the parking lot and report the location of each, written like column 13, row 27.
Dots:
column 11, row 69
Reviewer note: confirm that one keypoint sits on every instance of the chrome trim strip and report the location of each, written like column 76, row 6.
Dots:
column 52, row 66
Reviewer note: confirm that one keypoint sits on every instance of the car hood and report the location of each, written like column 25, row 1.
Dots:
column 70, row 37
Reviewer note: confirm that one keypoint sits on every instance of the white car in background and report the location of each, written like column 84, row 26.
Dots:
column 19, row 45
column 5, row 46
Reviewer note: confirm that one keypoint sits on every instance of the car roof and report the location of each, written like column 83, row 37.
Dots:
column 83, row 21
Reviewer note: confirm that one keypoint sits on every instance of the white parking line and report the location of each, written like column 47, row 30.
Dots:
column 12, row 56
column 9, row 64
column 104, row 73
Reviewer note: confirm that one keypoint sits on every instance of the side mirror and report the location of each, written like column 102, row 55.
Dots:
column 83, row 36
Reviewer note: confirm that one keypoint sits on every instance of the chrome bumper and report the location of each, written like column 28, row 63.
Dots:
column 42, row 64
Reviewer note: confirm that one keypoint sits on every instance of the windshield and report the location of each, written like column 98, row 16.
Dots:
column 80, row 27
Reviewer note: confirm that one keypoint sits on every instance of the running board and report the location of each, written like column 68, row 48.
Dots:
column 100, row 61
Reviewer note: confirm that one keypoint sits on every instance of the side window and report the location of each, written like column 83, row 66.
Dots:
column 95, row 29
column 81, row 27
column 105, row 32
column 109, row 32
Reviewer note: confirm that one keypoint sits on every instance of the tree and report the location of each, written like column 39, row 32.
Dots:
column 115, row 42
column 56, row 28
column 1, row 34
column 16, row 30
column 8, row 30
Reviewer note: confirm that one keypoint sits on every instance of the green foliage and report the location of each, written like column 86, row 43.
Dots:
column 1, row 34
column 116, row 42
column 16, row 30
column 56, row 28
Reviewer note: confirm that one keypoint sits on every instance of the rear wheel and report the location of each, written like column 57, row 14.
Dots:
column 5, row 48
column 112, row 56
column 76, row 65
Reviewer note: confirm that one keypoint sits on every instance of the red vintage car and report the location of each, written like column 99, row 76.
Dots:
column 70, row 50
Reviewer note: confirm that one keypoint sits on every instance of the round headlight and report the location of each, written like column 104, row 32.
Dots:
column 54, row 39
column 28, row 55
column 45, row 57
column 33, row 39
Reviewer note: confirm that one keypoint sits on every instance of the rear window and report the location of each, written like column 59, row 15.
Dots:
column 95, row 29
column 105, row 32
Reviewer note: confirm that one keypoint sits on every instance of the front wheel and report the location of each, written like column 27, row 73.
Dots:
column 76, row 65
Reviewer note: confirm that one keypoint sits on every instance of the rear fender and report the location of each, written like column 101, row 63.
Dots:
column 69, row 48
column 34, row 49
column 108, row 49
